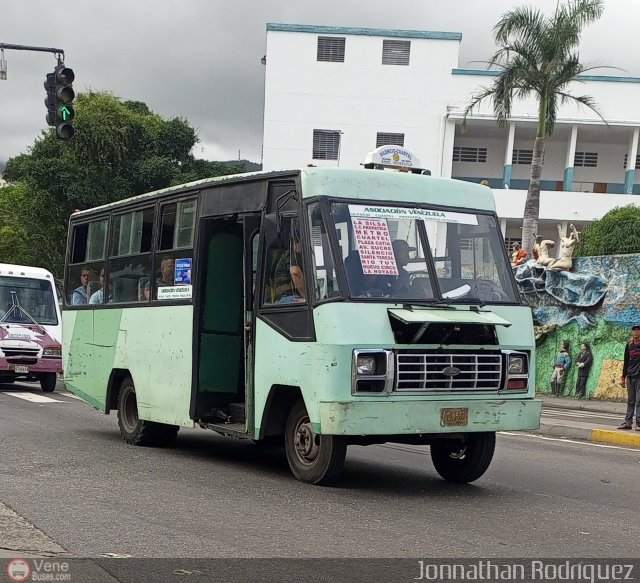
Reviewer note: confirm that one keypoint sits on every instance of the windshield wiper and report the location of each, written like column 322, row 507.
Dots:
column 19, row 312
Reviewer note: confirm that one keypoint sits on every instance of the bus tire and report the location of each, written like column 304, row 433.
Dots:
column 48, row 381
column 313, row 459
column 134, row 430
column 464, row 461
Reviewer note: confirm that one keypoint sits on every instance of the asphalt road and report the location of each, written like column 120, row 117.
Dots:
column 66, row 470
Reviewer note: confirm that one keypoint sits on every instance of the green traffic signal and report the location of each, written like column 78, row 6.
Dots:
column 60, row 96
column 66, row 113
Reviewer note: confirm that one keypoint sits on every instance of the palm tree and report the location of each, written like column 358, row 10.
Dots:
column 538, row 55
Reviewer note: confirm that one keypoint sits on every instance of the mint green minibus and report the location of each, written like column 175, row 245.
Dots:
column 315, row 308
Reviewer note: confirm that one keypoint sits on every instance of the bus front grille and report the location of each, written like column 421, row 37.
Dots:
column 445, row 372
column 20, row 352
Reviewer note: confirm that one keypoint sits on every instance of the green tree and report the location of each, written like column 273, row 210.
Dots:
column 538, row 56
column 616, row 233
column 120, row 149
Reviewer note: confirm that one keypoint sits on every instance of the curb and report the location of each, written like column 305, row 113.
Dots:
column 615, row 437
column 606, row 407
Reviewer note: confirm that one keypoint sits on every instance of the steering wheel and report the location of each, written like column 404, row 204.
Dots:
column 487, row 291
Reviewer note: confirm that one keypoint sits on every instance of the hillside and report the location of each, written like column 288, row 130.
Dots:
column 248, row 166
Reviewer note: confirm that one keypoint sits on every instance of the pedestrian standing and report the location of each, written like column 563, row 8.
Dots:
column 584, row 361
column 560, row 369
column 631, row 378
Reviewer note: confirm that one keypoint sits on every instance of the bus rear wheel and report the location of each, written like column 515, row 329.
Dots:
column 313, row 459
column 48, row 381
column 134, row 430
column 464, row 461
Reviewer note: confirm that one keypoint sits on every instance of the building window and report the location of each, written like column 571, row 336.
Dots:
column 586, row 159
column 396, row 52
column 465, row 154
column 626, row 158
column 522, row 157
column 388, row 139
column 326, row 144
column 331, row 49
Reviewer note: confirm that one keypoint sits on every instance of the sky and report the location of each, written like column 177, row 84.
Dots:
column 200, row 59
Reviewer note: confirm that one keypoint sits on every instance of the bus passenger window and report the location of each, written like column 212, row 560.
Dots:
column 172, row 275
column 125, row 275
column 86, row 262
column 284, row 281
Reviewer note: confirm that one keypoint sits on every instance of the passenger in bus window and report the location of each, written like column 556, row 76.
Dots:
column 80, row 295
column 97, row 297
column 144, row 289
column 289, row 278
column 167, row 272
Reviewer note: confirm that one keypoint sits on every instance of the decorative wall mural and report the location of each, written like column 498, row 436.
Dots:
column 595, row 303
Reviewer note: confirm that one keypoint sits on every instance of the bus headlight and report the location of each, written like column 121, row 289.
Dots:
column 517, row 369
column 372, row 371
column 365, row 364
column 516, row 364
column 54, row 351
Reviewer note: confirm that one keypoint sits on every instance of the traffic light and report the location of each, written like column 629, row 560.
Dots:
column 59, row 101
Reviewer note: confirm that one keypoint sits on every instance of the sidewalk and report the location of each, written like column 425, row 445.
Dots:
column 584, row 429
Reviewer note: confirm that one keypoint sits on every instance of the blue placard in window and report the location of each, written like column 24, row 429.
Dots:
column 183, row 272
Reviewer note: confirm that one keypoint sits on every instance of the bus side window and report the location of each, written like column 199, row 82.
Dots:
column 284, row 276
column 130, row 255
column 173, row 259
column 86, row 262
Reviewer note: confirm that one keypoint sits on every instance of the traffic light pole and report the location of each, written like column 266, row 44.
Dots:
column 28, row 48
column 3, row 64
column 58, row 85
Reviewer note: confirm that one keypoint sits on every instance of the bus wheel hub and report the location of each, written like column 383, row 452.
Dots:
column 305, row 442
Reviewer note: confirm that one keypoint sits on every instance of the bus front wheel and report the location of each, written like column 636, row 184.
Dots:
column 464, row 461
column 48, row 382
column 134, row 430
column 313, row 459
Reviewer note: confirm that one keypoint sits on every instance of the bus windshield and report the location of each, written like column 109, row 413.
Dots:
column 24, row 300
column 422, row 254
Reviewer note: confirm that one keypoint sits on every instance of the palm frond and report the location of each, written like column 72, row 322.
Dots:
column 566, row 25
column 582, row 100
column 584, row 12
column 523, row 23
column 476, row 100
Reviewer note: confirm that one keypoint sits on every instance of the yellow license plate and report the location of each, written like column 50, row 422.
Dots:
column 454, row 417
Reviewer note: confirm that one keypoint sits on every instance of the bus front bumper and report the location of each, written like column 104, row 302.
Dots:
column 426, row 417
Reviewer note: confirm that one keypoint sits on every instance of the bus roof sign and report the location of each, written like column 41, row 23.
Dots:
column 392, row 157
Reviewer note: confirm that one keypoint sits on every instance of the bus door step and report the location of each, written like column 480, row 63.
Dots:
column 231, row 429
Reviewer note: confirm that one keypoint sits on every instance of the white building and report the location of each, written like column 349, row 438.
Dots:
column 334, row 94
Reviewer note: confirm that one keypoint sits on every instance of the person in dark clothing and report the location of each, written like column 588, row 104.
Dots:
column 631, row 379
column 584, row 361
column 561, row 367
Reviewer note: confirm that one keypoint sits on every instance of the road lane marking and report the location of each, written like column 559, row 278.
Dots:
column 568, row 413
column 33, row 397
